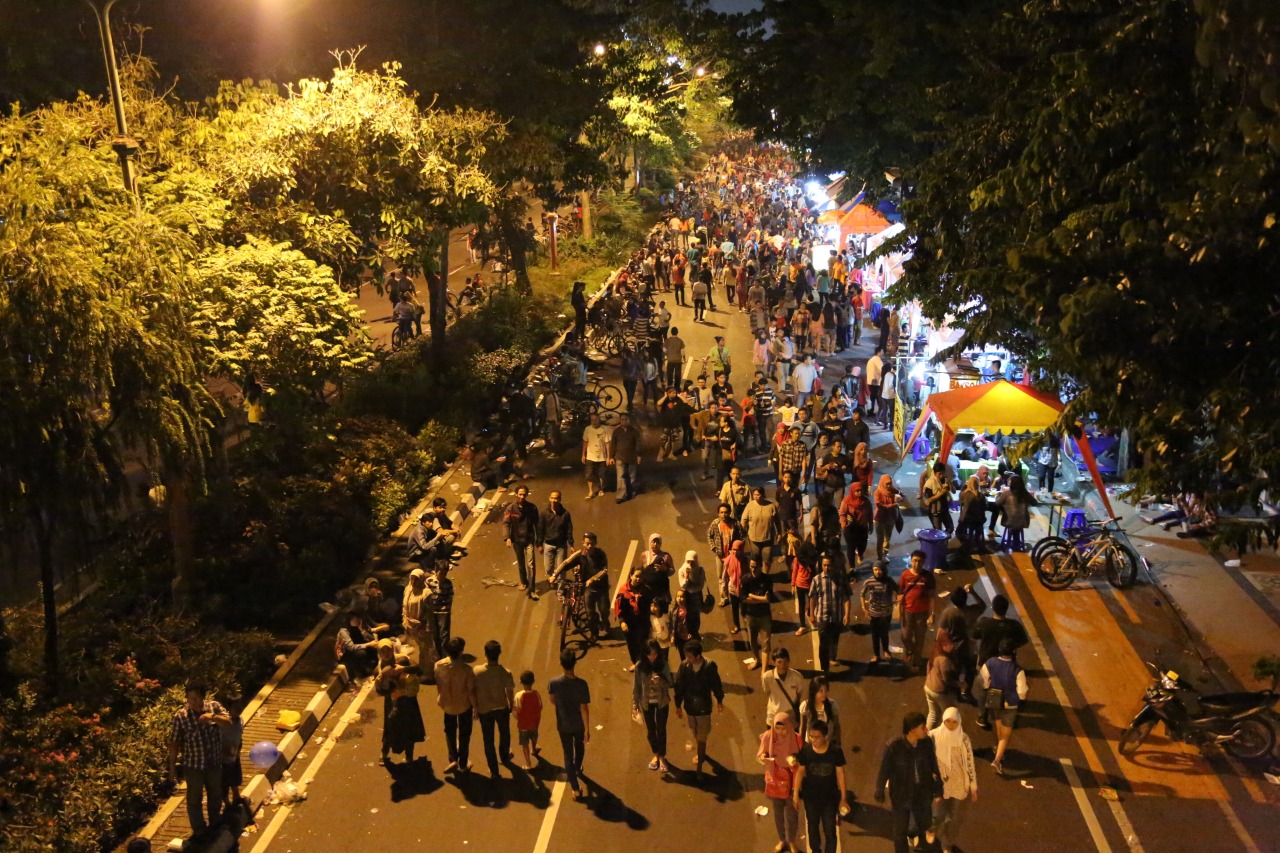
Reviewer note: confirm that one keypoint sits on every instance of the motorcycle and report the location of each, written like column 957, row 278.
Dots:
column 1241, row 723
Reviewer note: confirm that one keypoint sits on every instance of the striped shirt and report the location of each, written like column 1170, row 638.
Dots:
column 827, row 597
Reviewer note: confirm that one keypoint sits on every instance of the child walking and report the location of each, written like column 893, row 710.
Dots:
column 528, row 717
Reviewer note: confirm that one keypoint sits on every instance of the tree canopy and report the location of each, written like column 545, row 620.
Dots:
column 1094, row 188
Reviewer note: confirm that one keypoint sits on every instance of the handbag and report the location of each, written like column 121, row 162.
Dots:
column 708, row 602
column 993, row 700
column 777, row 784
column 897, row 522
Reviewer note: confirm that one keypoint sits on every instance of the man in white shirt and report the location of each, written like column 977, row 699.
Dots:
column 875, row 371
column 595, row 453
column 805, row 374
column 783, row 687
column 888, row 396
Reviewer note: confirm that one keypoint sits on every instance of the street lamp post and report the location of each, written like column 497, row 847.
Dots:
column 124, row 145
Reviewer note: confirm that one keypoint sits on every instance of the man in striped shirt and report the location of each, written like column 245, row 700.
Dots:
column 764, row 403
column 828, row 611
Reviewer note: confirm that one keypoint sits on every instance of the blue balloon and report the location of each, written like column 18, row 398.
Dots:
column 264, row 754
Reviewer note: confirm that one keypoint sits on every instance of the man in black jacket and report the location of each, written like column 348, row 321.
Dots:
column 521, row 524
column 555, row 532
column 910, row 770
column 697, row 681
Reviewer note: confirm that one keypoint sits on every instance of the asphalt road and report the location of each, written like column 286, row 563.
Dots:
column 1085, row 669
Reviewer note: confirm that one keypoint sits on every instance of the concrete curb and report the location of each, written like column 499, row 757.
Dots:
column 259, row 787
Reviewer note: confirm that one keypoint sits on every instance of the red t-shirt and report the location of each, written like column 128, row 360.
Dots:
column 528, row 711
column 917, row 590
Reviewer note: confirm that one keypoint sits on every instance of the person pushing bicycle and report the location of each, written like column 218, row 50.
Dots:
column 589, row 566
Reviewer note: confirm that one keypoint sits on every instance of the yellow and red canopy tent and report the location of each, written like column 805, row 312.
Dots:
column 1002, row 406
column 862, row 219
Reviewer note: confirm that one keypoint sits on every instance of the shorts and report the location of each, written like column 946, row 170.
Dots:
column 700, row 727
column 1008, row 716
column 759, row 624
column 529, row 738
column 595, row 470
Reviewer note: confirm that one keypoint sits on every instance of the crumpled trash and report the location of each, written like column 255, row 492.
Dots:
column 488, row 582
column 1232, row 564
column 761, row 811
column 1028, row 785
column 1272, row 778
column 1109, row 794
column 285, row 792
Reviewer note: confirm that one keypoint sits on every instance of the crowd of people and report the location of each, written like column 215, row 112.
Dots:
column 740, row 240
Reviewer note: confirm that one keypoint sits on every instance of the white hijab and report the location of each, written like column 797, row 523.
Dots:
column 949, row 745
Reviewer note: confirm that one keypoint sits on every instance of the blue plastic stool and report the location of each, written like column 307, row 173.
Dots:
column 934, row 543
column 921, row 451
column 1074, row 522
column 1012, row 540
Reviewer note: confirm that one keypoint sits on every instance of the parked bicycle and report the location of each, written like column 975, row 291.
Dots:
column 1101, row 547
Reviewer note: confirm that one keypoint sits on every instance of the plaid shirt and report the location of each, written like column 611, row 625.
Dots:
column 792, row 456
column 826, row 600
column 199, row 743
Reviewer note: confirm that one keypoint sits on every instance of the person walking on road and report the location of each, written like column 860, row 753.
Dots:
column 528, row 710
column 857, row 514
column 989, row 631
column 651, row 699
column 595, row 454
column 673, row 349
column 631, row 610
column 829, row 611
column 697, row 683
column 944, row 679
column 555, row 532
column 1004, row 686
column 521, row 523
column 887, row 499
column 757, row 606
column 416, row 618
column 782, row 686
column 959, row 779
column 592, row 566
column 818, row 705
column 456, row 696
column 718, row 360
column 915, row 609
column 571, row 696
column 778, row 748
column 909, row 769
column 820, row 784
column 624, row 453
column 196, row 736
column 495, row 698
column 760, row 522
column 879, row 593
column 723, row 531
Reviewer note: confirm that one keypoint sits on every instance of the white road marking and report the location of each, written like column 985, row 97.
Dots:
column 1060, row 693
column 1086, row 808
column 480, row 517
column 697, row 496
column 549, row 817
column 625, row 569
column 277, row 820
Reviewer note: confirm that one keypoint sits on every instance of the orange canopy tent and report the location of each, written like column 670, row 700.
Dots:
column 1000, row 406
column 862, row 219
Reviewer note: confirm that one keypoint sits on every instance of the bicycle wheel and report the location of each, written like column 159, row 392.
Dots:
column 1058, row 569
column 398, row 338
column 566, row 615
column 585, row 621
column 608, row 396
column 1122, row 566
column 1042, row 545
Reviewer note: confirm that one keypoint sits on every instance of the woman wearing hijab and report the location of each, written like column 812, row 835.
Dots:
column 887, row 498
column 658, row 566
column 959, row 779
column 691, row 578
column 862, row 465
column 778, row 748
column 733, row 582
column 398, row 683
column 631, row 610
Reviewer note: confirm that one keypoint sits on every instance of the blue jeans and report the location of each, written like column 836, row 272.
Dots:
column 554, row 555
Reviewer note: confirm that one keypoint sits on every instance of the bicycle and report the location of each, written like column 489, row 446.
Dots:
column 1101, row 546
column 575, row 611
column 400, row 336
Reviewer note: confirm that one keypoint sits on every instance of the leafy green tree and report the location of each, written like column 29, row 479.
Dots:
column 96, row 360
column 350, row 170
column 266, row 310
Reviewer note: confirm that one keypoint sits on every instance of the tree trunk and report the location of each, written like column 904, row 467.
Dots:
column 48, row 597
column 438, row 290
column 588, row 230
column 178, row 503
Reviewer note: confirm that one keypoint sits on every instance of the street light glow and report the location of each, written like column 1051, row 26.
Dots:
column 599, row 49
column 701, row 72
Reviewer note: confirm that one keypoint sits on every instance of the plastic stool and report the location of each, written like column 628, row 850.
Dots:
column 1074, row 522
column 921, row 451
